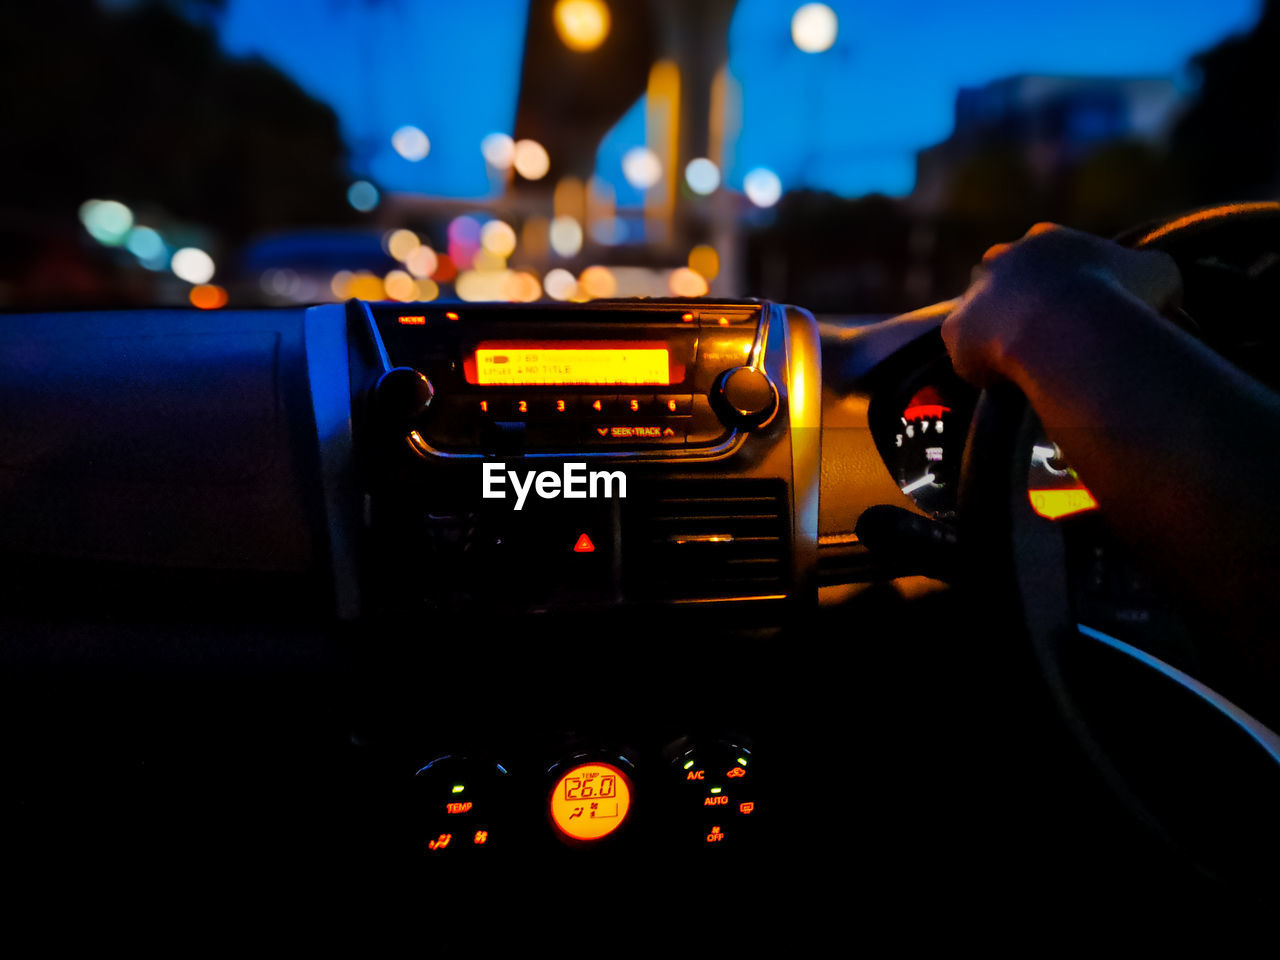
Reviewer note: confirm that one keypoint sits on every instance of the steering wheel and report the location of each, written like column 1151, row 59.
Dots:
column 1184, row 760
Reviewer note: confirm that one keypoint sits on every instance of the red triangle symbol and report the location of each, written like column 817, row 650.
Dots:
column 584, row 545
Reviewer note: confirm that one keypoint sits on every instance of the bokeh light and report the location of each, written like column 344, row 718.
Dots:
column 340, row 284
column 192, row 265
column 531, row 159
column 597, row 282
column 581, row 24
column 498, row 238
column 520, row 286
column 687, row 283
column 365, row 286
column 362, row 195
column 108, row 221
column 488, row 262
column 499, row 150
column 148, row 246
column 208, row 296
column 402, row 243
column 704, row 260
column 560, row 284
column 566, row 236
column 428, row 289
column 641, row 167
column 702, row 176
column 411, row 143
column 814, row 27
column 399, row 285
column 762, row 187
column 422, row 262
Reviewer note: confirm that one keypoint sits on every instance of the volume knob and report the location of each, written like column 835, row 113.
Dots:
column 745, row 397
column 401, row 395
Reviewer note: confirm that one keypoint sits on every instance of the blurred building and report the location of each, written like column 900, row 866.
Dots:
column 1051, row 123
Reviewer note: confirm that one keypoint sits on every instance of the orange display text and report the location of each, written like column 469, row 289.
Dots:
column 571, row 362
column 590, row 801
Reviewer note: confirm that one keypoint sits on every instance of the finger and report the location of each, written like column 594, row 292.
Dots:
column 1043, row 227
column 995, row 250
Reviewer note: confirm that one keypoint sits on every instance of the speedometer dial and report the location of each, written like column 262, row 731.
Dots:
column 927, row 447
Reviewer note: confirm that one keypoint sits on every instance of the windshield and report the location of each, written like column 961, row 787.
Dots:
column 851, row 158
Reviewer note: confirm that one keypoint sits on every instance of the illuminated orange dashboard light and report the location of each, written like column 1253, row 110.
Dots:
column 412, row 321
column 746, row 807
column 695, row 774
column 481, row 837
column 1055, row 504
column 733, row 772
column 440, row 842
column 715, row 836
column 716, row 801
column 458, row 807
column 590, row 801
column 584, row 545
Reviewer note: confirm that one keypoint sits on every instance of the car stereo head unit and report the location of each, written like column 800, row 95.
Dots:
column 636, row 379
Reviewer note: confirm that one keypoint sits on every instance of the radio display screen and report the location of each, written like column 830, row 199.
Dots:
column 572, row 363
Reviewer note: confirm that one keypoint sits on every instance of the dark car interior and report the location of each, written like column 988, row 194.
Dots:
column 261, row 619
column 497, row 470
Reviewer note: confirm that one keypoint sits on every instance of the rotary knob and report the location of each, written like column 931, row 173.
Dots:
column 402, row 394
column 745, row 397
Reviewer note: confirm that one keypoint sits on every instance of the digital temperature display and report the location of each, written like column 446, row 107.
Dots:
column 590, row 801
column 569, row 363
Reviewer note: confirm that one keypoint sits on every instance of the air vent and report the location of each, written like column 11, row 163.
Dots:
column 707, row 540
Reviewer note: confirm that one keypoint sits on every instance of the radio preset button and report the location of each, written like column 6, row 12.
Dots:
column 673, row 405
column 633, row 405
column 555, row 408
column 596, row 408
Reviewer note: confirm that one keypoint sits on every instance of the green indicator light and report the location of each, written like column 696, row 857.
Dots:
column 742, row 761
column 458, row 788
column 688, row 765
column 715, row 789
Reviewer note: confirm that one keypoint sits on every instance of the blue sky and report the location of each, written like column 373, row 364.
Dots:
column 848, row 120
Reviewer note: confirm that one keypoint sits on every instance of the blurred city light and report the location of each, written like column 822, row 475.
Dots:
column 814, row 27
column 148, row 246
column 560, row 284
column 400, row 286
column 362, row 195
column 641, row 167
column 488, row 261
column 402, row 243
column 597, row 282
column 610, row 231
column 411, row 143
column 498, row 238
column 704, row 261
column 428, row 289
column 762, row 187
column 108, row 221
column 365, row 286
column 566, row 236
column 340, row 284
column 520, row 286
column 192, row 265
column 422, row 262
column 531, row 159
column 702, row 175
column 582, row 24
column 499, row 150
column 687, row 283
column 208, row 296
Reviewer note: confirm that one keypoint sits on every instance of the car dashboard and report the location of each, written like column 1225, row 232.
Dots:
column 416, row 590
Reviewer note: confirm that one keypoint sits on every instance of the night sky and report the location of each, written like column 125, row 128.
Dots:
column 848, row 120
